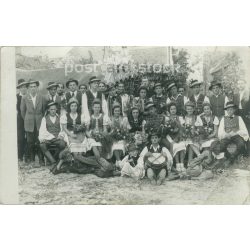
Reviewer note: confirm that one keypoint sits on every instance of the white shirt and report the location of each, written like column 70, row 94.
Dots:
column 33, row 100
column 241, row 132
column 44, row 134
column 169, row 100
column 164, row 150
column 206, row 99
column 85, row 110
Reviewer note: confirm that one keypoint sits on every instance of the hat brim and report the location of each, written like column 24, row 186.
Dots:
column 94, row 80
column 52, row 85
column 171, row 86
column 52, row 104
column 195, row 84
column 217, row 84
column 149, row 106
column 36, row 82
column 230, row 106
column 21, row 85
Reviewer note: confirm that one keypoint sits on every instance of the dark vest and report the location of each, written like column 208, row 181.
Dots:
column 179, row 104
column 70, row 123
column 135, row 126
column 158, row 101
column 135, row 160
column 159, row 150
column 231, row 124
column 99, row 121
column 91, row 98
column 53, row 128
column 198, row 105
column 217, row 105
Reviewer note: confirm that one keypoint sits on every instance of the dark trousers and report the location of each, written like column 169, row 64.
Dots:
column 238, row 141
column 21, row 139
column 33, row 145
column 56, row 145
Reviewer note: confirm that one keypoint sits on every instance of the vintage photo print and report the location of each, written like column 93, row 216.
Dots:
column 114, row 125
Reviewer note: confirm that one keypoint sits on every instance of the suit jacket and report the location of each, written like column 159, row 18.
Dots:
column 32, row 115
column 78, row 97
column 47, row 99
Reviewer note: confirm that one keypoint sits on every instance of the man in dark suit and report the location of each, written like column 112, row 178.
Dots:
column 32, row 111
column 72, row 85
column 21, row 138
column 52, row 96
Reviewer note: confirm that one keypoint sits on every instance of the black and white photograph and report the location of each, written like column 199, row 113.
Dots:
column 133, row 125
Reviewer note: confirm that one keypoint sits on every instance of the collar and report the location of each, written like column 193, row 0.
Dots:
column 20, row 94
column 159, row 95
column 32, row 97
column 230, row 116
column 176, row 96
column 96, row 117
column 154, row 147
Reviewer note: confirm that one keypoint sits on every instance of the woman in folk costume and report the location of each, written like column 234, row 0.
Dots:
column 135, row 120
column 190, row 131
column 97, row 131
column 130, row 165
column 77, row 142
column 174, row 137
column 119, row 129
column 208, row 124
column 232, row 131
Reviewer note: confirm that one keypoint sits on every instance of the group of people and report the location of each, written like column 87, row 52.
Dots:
column 159, row 132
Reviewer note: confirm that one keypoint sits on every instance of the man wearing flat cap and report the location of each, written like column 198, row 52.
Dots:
column 197, row 97
column 72, row 86
column 32, row 110
column 21, row 137
column 90, row 95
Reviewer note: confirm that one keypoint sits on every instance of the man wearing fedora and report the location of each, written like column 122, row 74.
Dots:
column 72, row 86
column 90, row 95
column 197, row 97
column 21, row 137
column 52, row 95
column 177, row 98
column 232, row 130
column 159, row 99
column 50, row 133
column 218, row 100
column 32, row 111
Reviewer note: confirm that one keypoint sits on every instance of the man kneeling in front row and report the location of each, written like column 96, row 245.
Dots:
column 49, row 133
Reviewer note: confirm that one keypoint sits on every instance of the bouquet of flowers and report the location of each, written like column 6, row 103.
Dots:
column 170, row 127
column 207, row 130
column 118, row 134
column 191, row 132
column 79, row 128
column 97, row 136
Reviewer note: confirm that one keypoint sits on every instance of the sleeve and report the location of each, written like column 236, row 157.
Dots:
column 168, row 101
column 169, row 156
column 198, row 122
column 106, row 120
column 226, row 101
column 243, row 130
column 23, row 107
column 186, row 99
column 181, row 120
column 85, row 110
column 221, row 130
column 43, row 132
column 63, row 120
column 124, row 160
column 104, row 105
column 125, row 124
column 216, row 121
column 142, row 154
column 206, row 99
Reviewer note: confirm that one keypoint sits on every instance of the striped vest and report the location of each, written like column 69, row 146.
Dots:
column 53, row 128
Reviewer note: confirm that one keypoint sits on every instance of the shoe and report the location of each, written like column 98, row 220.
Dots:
column 159, row 181
column 153, row 182
column 41, row 163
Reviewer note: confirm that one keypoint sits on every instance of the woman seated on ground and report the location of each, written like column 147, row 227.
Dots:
column 118, row 132
column 97, row 128
column 190, row 131
column 73, row 136
column 130, row 165
column 174, row 137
